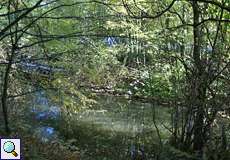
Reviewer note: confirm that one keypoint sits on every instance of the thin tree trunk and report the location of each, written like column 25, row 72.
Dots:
column 7, row 73
column 5, row 94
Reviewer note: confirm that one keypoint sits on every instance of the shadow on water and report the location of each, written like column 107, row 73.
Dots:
column 114, row 128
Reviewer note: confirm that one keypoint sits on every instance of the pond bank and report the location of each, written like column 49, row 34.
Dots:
column 112, row 91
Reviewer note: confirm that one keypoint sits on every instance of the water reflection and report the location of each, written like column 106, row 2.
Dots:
column 45, row 133
column 119, row 115
column 115, row 124
column 44, row 110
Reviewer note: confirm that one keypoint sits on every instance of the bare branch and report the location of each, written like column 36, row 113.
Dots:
column 2, row 32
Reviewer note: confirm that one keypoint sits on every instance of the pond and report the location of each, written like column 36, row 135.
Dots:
column 113, row 128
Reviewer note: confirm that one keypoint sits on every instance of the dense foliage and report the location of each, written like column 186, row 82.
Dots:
column 173, row 53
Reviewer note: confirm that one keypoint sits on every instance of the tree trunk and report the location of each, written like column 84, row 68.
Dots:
column 5, row 92
column 4, row 99
column 199, row 134
column 199, row 90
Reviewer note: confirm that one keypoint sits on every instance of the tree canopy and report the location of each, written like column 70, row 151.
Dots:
column 171, row 51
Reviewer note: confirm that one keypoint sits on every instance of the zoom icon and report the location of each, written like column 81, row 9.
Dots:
column 10, row 149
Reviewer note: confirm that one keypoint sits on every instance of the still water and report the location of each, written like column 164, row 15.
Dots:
column 113, row 128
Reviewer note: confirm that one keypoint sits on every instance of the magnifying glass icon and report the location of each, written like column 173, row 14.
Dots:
column 9, row 147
